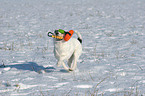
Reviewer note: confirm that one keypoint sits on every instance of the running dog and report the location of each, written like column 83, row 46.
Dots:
column 67, row 50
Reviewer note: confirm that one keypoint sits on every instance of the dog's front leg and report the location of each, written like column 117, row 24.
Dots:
column 65, row 67
column 59, row 63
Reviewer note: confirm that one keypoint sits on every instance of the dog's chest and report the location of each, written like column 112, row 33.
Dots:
column 63, row 48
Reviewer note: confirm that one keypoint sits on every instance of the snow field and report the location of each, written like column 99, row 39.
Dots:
column 113, row 58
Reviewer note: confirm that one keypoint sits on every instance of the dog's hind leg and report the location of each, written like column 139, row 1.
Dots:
column 74, row 62
column 73, row 65
column 75, row 58
column 70, row 60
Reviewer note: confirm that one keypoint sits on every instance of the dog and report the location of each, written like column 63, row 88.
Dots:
column 69, row 51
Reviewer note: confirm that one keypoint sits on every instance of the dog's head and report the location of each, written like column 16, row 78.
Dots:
column 59, row 32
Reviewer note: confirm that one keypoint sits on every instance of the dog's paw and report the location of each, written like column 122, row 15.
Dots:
column 59, row 64
column 70, row 69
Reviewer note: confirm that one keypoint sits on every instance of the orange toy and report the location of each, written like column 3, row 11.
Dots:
column 68, row 35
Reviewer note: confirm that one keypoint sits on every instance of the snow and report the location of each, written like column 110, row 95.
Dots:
column 113, row 58
column 83, row 86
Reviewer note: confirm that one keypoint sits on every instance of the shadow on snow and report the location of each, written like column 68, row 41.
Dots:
column 31, row 66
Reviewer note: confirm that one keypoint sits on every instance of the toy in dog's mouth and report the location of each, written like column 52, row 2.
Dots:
column 61, row 35
column 58, row 38
column 66, row 35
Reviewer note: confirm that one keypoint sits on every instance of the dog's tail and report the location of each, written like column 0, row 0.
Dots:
column 79, row 36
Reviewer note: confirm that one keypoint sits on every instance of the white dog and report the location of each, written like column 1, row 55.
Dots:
column 67, row 50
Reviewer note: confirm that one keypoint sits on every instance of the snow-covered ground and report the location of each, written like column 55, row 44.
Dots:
column 113, row 58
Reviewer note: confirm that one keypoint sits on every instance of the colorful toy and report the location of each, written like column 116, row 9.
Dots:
column 53, row 36
column 67, row 36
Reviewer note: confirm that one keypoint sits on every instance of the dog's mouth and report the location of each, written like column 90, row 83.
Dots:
column 57, row 33
column 57, row 38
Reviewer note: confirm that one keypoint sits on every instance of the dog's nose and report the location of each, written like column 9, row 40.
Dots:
column 56, row 32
